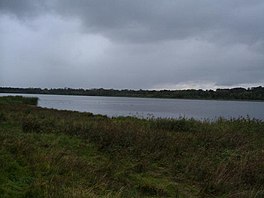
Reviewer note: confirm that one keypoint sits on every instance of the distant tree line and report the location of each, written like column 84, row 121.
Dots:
column 253, row 93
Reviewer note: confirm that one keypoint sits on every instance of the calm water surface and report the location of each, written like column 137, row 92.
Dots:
column 148, row 107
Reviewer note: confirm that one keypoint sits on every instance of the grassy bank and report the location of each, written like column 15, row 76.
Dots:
column 52, row 153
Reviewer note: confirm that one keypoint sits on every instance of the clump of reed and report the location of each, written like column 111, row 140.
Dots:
column 18, row 100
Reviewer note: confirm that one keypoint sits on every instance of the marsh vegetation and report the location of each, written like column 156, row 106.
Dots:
column 55, row 153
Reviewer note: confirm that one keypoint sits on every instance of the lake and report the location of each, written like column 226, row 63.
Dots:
column 152, row 107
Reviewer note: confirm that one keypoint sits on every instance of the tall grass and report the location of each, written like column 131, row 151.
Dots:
column 18, row 100
column 83, row 154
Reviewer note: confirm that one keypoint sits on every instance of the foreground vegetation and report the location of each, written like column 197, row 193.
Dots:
column 253, row 93
column 52, row 153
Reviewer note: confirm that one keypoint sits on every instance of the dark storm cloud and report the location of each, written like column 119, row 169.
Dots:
column 134, row 44
column 23, row 8
column 152, row 20
column 149, row 21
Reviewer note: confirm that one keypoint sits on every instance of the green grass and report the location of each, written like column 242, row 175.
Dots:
column 18, row 100
column 52, row 153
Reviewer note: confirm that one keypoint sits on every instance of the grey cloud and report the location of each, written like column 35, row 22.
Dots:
column 152, row 20
column 24, row 8
column 183, row 61
column 160, row 20
column 131, row 44
column 148, row 21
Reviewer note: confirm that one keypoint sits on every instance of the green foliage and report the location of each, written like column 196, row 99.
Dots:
column 52, row 153
column 253, row 93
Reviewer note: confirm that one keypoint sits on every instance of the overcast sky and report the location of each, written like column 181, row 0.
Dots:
column 134, row 44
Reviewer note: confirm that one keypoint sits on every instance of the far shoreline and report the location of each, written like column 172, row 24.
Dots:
column 142, row 97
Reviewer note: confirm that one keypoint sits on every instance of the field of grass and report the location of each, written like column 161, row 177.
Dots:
column 53, row 153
